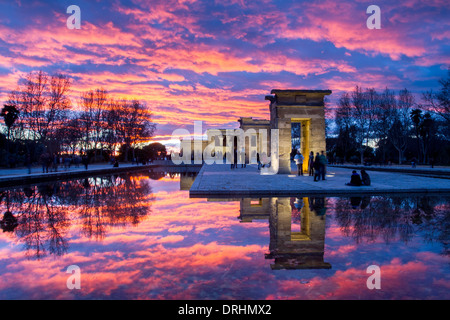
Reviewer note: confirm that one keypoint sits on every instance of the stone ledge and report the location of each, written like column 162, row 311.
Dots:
column 219, row 181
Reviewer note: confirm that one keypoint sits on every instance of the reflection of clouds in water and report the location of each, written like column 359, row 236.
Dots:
column 197, row 249
column 46, row 212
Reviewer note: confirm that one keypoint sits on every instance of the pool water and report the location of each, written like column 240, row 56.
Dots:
column 140, row 236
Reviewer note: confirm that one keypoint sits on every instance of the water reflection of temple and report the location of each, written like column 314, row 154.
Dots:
column 187, row 175
column 187, row 180
column 297, row 229
column 297, row 233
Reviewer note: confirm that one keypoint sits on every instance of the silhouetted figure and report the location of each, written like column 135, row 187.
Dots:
column 365, row 201
column 243, row 162
column 28, row 163
column 67, row 162
column 319, row 206
column 258, row 159
column 317, row 167
column 86, row 184
column 235, row 157
column 85, row 161
column 323, row 165
column 45, row 162
column 77, row 161
column 55, row 160
column 355, row 202
column 311, row 164
column 355, row 179
column 365, row 178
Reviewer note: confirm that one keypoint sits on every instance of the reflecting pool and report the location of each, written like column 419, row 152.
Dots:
column 140, row 236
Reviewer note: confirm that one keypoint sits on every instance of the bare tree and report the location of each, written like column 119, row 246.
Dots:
column 363, row 113
column 87, row 107
column 58, row 104
column 439, row 102
column 70, row 135
column 98, row 126
column 134, row 123
column 384, row 117
column 31, row 98
column 344, row 122
column 401, row 127
column 111, row 116
column 43, row 103
column 141, row 127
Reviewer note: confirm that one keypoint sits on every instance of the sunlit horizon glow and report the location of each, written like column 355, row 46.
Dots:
column 216, row 60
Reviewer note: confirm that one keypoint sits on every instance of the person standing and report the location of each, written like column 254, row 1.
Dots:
column 235, row 156
column 258, row 159
column 43, row 161
column 299, row 162
column 85, row 161
column 243, row 160
column 311, row 164
column 317, row 167
column 55, row 160
column 28, row 163
column 323, row 165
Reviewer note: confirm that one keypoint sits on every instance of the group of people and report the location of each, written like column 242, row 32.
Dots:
column 239, row 155
column 317, row 167
column 317, row 164
column 51, row 162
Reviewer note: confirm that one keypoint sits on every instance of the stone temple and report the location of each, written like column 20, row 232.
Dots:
column 297, row 115
column 288, row 108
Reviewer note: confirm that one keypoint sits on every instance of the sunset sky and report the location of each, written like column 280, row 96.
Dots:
column 215, row 60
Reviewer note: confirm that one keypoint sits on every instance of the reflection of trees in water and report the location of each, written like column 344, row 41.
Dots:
column 395, row 218
column 45, row 212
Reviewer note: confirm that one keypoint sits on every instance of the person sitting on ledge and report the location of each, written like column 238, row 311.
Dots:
column 355, row 180
column 365, row 178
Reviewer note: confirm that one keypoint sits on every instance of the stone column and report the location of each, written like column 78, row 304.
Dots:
column 285, row 145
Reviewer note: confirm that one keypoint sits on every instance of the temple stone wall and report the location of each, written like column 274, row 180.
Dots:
column 287, row 106
column 296, row 250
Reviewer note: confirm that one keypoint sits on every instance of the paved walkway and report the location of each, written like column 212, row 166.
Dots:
column 221, row 181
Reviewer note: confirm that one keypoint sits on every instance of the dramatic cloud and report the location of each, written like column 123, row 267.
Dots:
column 216, row 60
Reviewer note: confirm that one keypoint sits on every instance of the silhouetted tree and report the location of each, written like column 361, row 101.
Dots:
column 400, row 129
column 439, row 102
